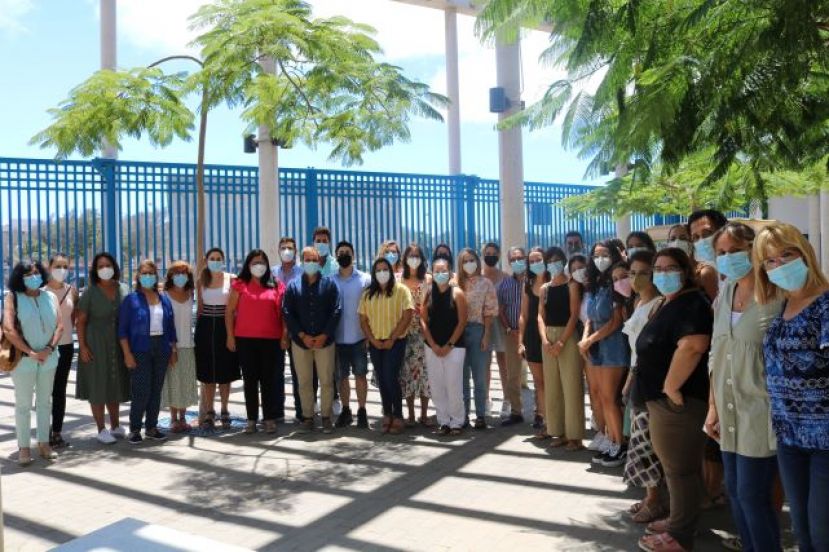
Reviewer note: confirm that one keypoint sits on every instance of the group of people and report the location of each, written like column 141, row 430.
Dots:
column 705, row 356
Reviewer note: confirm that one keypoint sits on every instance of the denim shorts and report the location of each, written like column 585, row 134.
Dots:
column 613, row 350
column 352, row 359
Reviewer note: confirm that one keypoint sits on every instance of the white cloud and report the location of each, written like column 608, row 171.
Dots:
column 12, row 13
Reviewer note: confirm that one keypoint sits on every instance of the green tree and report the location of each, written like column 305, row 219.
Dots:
column 328, row 88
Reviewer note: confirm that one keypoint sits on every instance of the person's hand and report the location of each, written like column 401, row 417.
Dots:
column 584, row 346
column 376, row 343
column 130, row 361
column 712, row 424
column 307, row 340
column 86, row 354
column 388, row 344
column 285, row 342
column 557, row 347
column 522, row 351
column 40, row 356
column 485, row 342
column 675, row 397
column 173, row 359
column 231, row 343
column 319, row 341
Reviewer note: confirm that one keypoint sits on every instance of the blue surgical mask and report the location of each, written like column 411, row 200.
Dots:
column 147, row 281
column 538, row 268
column 734, row 265
column 391, row 257
column 790, row 276
column 704, row 250
column 667, row 283
column 33, row 281
column 441, row 278
column 180, row 280
column 555, row 268
column 322, row 248
column 311, row 269
column 215, row 266
column 519, row 266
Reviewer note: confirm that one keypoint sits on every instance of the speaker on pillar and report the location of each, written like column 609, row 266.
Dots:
column 498, row 101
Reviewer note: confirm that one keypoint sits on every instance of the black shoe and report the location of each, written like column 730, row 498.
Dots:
column 155, row 435
column 598, row 458
column 345, row 418
column 615, row 460
column 538, row 422
column 512, row 420
column 480, row 423
column 444, row 430
column 466, row 424
column 362, row 418
column 134, row 438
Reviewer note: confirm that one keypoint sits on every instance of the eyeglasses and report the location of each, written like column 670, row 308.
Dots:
column 635, row 273
column 770, row 263
column 669, row 268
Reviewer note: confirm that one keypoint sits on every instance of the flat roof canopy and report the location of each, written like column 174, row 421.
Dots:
column 466, row 7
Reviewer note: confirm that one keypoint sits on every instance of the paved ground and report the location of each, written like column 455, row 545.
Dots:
column 354, row 490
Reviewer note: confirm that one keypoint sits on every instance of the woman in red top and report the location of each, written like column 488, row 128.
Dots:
column 254, row 328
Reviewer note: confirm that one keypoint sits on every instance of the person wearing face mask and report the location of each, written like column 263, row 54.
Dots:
column 67, row 296
column 796, row 350
column 739, row 400
column 672, row 380
column 443, row 321
column 509, row 294
column 103, row 379
column 322, row 243
column 702, row 226
column 414, row 377
column 216, row 365
column 482, row 307
column 147, row 333
column 574, row 243
column 32, row 323
column 529, row 338
column 352, row 355
column 180, row 389
column 254, row 325
column 680, row 238
column 604, row 344
column 443, row 250
column 312, row 310
column 638, row 241
column 491, row 254
column 390, row 250
column 386, row 310
column 558, row 317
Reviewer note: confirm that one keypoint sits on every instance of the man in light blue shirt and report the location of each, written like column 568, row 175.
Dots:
column 351, row 343
column 322, row 243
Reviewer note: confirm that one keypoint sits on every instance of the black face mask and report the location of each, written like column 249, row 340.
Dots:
column 344, row 260
column 491, row 260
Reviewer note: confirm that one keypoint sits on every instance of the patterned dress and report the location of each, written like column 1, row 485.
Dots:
column 413, row 377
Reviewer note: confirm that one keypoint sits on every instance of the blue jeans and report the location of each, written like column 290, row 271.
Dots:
column 146, row 382
column 805, row 476
column 474, row 366
column 749, row 482
column 387, row 364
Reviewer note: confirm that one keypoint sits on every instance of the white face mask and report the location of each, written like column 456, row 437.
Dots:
column 602, row 263
column 684, row 245
column 106, row 273
column 413, row 262
column 258, row 270
column 580, row 275
column 287, row 255
column 59, row 274
column 382, row 276
column 470, row 267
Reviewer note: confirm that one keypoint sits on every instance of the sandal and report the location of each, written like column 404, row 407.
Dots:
column 648, row 513
column 425, row 421
column 662, row 542
column 225, row 419
column 557, row 442
column 386, row 423
column 410, row 422
column 574, row 446
column 24, row 457
column 635, row 507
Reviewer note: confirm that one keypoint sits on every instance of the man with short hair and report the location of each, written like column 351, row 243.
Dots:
column 322, row 243
column 573, row 243
column 312, row 310
column 702, row 225
column 352, row 354
column 510, row 292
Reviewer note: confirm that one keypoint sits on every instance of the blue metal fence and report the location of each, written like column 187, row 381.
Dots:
column 48, row 207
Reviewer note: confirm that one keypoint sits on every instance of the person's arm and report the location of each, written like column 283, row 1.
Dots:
column 124, row 322
column 522, row 320
column 688, row 353
column 502, row 308
column 334, row 316
column 607, row 329
column 75, row 298
column 463, row 315
column 199, row 301
column 575, row 310
column 366, row 327
column 171, row 328
column 85, row 355
column 710, row 281
column 542, row 324
column 10, row 331
column 289, row 310
column 490, row 312
column 53, row 343
column 712, row 420
column 402, row 324
column 230, row 318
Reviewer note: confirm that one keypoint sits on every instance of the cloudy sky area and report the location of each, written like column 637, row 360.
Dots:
column 48, row 46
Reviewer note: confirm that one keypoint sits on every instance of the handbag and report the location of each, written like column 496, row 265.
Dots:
column 9, row 354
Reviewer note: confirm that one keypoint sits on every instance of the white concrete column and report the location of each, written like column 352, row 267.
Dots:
column 269, row 206
column 109, row 53
column 510, row 150
column 824, row 230
column 453, row 116
column 813, row 230
column 623, row 224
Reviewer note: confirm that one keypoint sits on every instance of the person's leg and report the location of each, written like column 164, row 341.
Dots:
column 224, row 397
column 139, row 390
column 114, row 410
column 732, row 486
column 479, row 361
column 43, row 399
column 572, row 382
column 537, row 371
column 325, row 369
column 453, row 368
column 501, row 361
column 795, row 473
column 295, row 384
column 65, row 354
column 303, row 364
column 98, row 414
column 553, row 391
column 250, row 377
column 609, row 380
column 591, row 372
column 469, row 340
column 277, row 364
column 379, row 359
column 359, row 364
column 24, row 377
column 755, row 479
column 343, row 359
column 437, row 381
column 208, row 396
column 513, row 368
column 160, row 360
column 269, row 370
column 819, row 499
column 395, row 363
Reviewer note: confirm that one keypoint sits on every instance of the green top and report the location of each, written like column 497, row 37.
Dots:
column 738, row 376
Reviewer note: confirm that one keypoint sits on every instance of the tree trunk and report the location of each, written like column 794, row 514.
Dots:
column 200, row 181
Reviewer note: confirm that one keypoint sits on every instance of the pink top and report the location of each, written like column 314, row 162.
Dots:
column 259, row 310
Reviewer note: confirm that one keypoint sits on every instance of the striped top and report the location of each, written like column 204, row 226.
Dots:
column 509, row 298
column 384, row 312
column 214, row 300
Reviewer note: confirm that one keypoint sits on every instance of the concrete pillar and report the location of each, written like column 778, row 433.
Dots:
column 269, row 206
column 814, row 222
column 510, row 150
column 111, row 207
column 623, row 224
column 453, row 116
column 824, row 230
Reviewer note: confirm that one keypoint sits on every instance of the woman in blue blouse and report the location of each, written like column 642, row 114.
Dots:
column 147, row 334
column 796, row 349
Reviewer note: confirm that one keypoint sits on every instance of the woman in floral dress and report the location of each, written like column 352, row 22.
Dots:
column 413, row 377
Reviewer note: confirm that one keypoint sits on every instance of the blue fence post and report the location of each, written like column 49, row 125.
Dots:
column 109, row 218
column 471, row 228
column 311, row 203
column 460, row 226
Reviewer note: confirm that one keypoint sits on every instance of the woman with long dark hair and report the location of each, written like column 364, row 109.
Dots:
column 414, row 377
column 529, row 337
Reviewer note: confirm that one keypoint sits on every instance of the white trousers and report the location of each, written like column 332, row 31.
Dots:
column 446, row 382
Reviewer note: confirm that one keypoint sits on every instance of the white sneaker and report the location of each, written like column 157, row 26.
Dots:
column 598, row 442
column 506, row 409
column 489, row 407
column 607, row 445
column 118, row 432
column 105, row 437
column 336, row 407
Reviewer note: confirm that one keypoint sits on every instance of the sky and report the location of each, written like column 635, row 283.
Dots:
column 49, row 46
